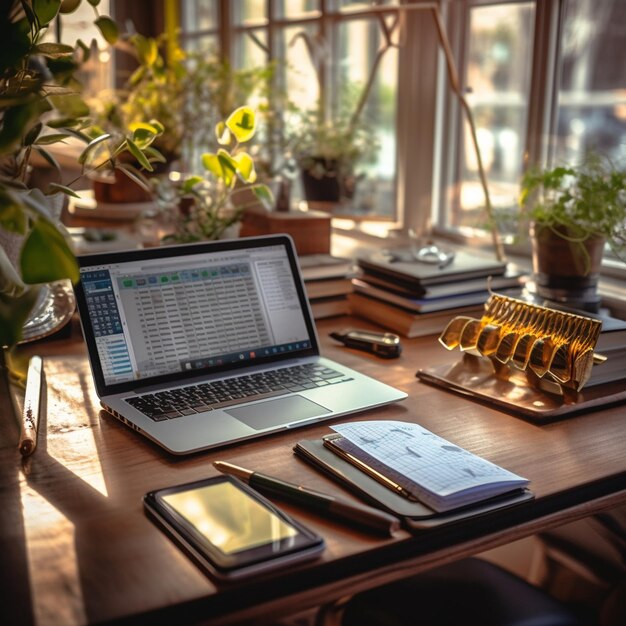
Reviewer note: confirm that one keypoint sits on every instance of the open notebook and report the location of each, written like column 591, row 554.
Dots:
column 420, row 465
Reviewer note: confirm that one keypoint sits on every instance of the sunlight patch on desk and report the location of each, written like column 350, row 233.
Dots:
column 71, row 433
column 52, row 563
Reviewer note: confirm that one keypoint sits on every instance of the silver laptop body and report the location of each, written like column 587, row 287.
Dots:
column 178, row 337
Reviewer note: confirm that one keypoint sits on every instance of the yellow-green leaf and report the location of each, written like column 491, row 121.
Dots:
column 147, row 49
column 108, row 28
column 190, row 183
column 245, row 167
column 46, row 256
column 242, row 123
column 211, row 163
column 265, row 195
column 222, row 133
column 229, row 167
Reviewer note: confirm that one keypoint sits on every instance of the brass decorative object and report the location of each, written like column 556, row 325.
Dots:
column 548, row 345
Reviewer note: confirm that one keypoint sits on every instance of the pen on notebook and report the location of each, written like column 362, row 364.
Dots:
column 30, row 413
column 358, row 514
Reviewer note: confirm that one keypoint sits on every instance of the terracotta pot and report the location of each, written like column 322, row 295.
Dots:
column 118, row 189
column 566, row 271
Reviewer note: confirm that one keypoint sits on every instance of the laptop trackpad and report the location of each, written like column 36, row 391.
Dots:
column 277, row 412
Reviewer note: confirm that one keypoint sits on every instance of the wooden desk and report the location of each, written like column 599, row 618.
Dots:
column 76, row 546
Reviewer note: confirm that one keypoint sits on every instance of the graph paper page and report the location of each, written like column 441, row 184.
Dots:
column 427, row 460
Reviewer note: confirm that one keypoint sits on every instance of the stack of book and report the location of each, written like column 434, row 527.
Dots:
column 612, row 345
column 327, row 280
column 414, row 298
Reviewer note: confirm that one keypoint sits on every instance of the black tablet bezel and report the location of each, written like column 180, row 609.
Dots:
column 305, row 544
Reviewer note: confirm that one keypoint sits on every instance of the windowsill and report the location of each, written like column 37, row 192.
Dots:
column 352, row 241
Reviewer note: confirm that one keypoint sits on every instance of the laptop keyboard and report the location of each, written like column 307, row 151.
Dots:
column 192, row 399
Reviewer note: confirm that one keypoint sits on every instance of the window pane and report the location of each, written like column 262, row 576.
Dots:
column 297, row 8
column 247, row 11
column 200, row 44
column 360, row 4
column 592, row 93
column 497, row 71
column 301, row 81
column 249, row 49
column 96, row 75
column 200, row 15
column 358, row 43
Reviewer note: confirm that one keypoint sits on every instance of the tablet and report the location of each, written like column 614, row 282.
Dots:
column 229, row 529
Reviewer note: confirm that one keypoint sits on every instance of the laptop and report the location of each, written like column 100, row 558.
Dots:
column 200, row 345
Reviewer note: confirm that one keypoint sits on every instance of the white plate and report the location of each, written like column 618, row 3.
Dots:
column 54, row 308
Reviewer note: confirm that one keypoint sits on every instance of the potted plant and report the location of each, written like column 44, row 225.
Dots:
column 40, row 104
column 572, row 213
column 327, row 152
column 326, row 143
column 187, row 92
column 206, row 207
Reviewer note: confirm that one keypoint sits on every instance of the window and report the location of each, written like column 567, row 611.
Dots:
column 545, row 87
column 543, row 80
column 328, row 50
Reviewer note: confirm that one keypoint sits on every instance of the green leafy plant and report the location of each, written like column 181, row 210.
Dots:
column 331, row 147
column 188, row 92
column 40, row 105
column 207, row 205
column 578, row 203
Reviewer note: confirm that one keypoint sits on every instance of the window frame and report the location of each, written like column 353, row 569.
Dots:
column 428, row 109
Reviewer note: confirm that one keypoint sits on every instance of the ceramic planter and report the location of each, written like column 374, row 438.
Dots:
column 566, row 271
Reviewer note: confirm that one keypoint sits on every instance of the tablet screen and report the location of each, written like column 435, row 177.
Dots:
column 229, row 518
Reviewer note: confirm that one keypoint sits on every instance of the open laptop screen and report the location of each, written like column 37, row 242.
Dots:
column 193, row 308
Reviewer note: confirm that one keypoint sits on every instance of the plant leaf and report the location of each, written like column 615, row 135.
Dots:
column 190, row 183
column 46, row 256
column 154, row 155
column 135, row 175
column 12, row 215
column 64, row 189
column 46, row 10
column 265, row 195
column 108, row 28
column 139, row 155
column 222, row 133
column 14, row 311
column 69, row 6
column 70, row 105
column 147, row 50
column 242, row 123
column 245, row 167
column 15, row 122
column 54, row 50
column 48, row 157
column 32, row 134
column 51, row 138
column 90, row 146
column 212, row 164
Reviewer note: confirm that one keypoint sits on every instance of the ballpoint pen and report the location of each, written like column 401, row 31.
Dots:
column 30, row 413
column 358, row 514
